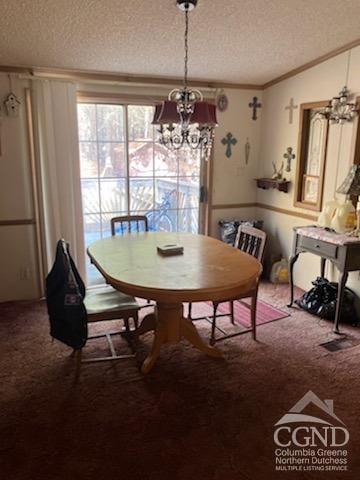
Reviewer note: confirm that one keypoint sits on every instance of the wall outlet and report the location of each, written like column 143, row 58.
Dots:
column 25, row 273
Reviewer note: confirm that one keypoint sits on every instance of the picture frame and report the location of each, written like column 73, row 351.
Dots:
column 222, row 102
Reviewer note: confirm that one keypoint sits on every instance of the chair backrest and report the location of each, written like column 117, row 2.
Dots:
column 251, row 240
column 129, row 224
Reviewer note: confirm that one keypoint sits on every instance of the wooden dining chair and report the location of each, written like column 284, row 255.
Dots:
column 101, row 304
column 252, row 241
column 104, row 304
column 129, row 224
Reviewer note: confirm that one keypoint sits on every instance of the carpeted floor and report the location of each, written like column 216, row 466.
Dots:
column 192, row 417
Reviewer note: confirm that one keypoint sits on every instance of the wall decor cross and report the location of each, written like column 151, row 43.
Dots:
column 291, row 107
column 229, row 140
column 289, row 156
column 255, row 105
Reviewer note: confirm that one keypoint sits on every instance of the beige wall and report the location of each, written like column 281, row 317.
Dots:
column 18, row 272
column 318, row 83
column 233, row 180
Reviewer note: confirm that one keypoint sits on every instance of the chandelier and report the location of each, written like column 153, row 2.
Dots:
column 339, row 110
column 185, row 119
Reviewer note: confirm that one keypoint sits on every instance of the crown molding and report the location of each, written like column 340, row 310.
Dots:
column 15, row 69
column 113, row 77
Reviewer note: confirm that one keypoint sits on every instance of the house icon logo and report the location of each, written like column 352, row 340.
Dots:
column 295, row 415
column 300, row 429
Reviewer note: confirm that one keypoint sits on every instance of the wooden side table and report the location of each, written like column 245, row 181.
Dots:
column 342, row 250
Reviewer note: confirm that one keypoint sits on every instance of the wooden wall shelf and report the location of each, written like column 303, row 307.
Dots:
column 266, row 183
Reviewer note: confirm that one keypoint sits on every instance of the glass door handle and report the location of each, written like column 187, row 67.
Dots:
column 203, row 194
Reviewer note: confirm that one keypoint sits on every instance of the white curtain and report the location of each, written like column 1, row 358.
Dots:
column 56, row 140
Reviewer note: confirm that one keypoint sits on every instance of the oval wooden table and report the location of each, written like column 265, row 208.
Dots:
column 207, row 270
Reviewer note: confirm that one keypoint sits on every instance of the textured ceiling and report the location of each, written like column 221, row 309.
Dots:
column 239, row 41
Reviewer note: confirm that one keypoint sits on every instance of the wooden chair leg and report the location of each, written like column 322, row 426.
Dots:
column 232, row 312
column 213, row 325
column 189, row 310
column 136, row 320
column 77, row 355
column 134, row 337
column 126, row 323
column 253, row 314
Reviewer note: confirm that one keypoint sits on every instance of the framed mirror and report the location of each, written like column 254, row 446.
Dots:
column 355, row 146
column 312, row 147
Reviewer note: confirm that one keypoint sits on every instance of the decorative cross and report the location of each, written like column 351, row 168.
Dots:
column 229, row 140
column 255, row 105
column 289, row 156
column 291, row 107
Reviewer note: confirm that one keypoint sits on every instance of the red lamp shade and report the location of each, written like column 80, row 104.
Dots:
column 204, row 114
column 166, row 112
column 157, row 111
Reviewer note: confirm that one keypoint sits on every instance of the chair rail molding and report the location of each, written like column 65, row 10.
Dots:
column 17, row 222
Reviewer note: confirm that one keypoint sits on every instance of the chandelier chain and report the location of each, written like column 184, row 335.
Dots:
column 186, row 58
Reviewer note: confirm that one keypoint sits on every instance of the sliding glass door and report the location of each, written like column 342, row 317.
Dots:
column 124, row 170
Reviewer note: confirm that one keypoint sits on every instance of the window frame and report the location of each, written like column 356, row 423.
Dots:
column 127, row 100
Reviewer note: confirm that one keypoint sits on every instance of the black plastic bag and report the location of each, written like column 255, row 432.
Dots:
column 229, row 228
column 321, row 301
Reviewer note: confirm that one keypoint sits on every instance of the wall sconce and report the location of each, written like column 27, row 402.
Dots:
column 339, row 110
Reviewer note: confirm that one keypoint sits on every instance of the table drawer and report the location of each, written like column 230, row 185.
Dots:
column 319, row 247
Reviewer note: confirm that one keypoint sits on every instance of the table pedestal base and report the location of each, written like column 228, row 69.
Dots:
column 170, row 326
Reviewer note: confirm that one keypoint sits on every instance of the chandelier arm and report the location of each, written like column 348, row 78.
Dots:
column 200, row 141
column 176, row 141
column 177, row 145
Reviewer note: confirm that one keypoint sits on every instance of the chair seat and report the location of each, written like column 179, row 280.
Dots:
column 107, row 300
